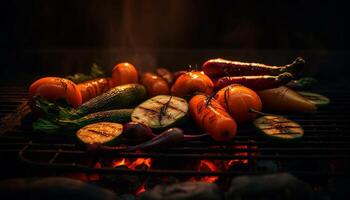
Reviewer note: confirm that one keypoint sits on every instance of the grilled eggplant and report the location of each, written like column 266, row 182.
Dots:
column 161, row 111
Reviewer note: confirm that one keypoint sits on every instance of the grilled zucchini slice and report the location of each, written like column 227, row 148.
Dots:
column 106, row 133
column 317, row 99
column 161, row 112
column 279, row 128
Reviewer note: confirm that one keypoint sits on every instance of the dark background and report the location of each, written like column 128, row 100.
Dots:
column 62, row 37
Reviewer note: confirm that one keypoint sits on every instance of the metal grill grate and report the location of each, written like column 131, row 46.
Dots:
column 324, row 150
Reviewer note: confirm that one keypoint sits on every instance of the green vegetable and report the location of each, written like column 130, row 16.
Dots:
column 279, row 128
column 67, row 125
column 106, row 133
column 317, row 99
column 302, row 83
column 124, row 96
column 95, row 72
column 161, row 111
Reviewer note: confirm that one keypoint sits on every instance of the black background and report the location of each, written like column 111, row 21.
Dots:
column 59, row 37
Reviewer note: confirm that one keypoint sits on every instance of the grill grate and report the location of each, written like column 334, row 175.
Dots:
column 326, row 143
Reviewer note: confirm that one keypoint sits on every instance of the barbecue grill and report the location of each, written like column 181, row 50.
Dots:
column 62, row 38
column 321, row 155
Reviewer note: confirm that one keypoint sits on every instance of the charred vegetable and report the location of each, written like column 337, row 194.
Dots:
column 135, row 131
column 216, row 68
column 105, row 133
column 276, row 127
column 161, row 111
column 95, row 87
column 285, row 99
column 51, row 126
column 124, row 96
column 213, row 118
column 255, row 82
column 317, row 99
column 166, row 138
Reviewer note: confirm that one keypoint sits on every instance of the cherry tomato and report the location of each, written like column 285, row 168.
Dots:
column 191, row 82
column 124, row 73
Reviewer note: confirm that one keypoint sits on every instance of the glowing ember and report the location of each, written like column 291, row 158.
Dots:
column 132, row 164
column 141, row 190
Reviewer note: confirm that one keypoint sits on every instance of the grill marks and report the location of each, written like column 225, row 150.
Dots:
column 160, row 111
column 280, row 127
column 100, row 133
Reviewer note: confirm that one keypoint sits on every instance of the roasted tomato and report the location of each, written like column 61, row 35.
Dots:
column 124, row 73
column 238, row 101
column 191, row 82
column 55, row 88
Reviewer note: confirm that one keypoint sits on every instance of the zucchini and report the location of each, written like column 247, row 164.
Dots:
column 279, row 128
column 317, row 99
column 47, row 126
column 161, row 112
column 105, row 133
column 124, row 96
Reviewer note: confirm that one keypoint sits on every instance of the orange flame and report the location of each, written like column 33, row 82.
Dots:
column 132, row 164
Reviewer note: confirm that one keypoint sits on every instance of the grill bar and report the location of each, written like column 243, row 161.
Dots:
column 327, row 139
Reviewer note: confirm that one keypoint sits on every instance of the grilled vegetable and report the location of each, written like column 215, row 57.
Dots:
column 261, row 82
column 95, row 72
column 216, row 68
column 155, row 85
column 212, row 118
column 166, row 75
column 285, row 99
column 106, row 133
column 161, row 111
column 303, row 83
column 66, row 125
column 124, row 73
column 177, row 74
column 276, row 127
column 135, row 131
column 95, row 87
column 138, row 132
column 55, row 88
column 124, row 96
column 191, row 82
column 169, row 137
column 317, row 99
column 238, row 101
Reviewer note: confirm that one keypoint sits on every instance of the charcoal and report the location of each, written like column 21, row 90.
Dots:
column 184, row 191
column 127, row 197
column 271, row 186
column 53, row 188
column 121, row 183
